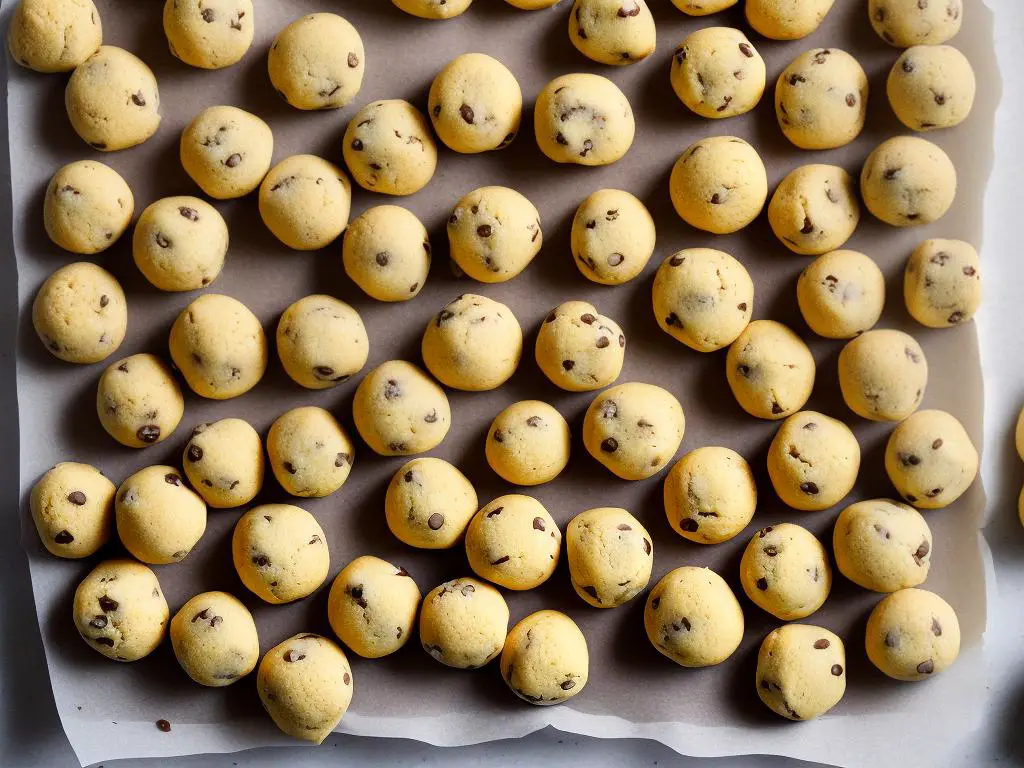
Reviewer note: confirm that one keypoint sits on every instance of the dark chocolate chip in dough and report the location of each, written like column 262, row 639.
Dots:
column 172, row 479
column 435, row 521
column 603, row 342
column 592, row 591
column 494, row 512
column 936, row 627
column 499, row 436
column 342, row 459
column 609, row 445
column 771, row 550
column 353, row 61
column 568, row 364
column 500, row 560
column 138, row 99
column 762, row 584
column 746, row 50
column 63, row 537
column 233, row 161
column 382, row 258
column 289, row 467
column 808, row 226
column 162, row 240
column 534, row 421
column 189, row 213
column 538, row 524
column 467, row 114
column 837, row 670
column 484, row 230
column 811, row 489
column 851, row 100
column 77, row 498
column 260, row 561
column 567, row 685
column 926, row 667
column 821, row 644
column 921, row 552
column 392, row 389
column 647, row 547
column 689, row 525
column 149, row 433
column 107, row 604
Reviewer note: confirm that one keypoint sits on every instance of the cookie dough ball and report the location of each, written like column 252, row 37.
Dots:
column 280, row 552
column 703, row 298
column 821, row 99
column 904, row 23
column 613, row 31
column 433, row 9
column 321, row 342
column 717, row 73
column 612, row 237
column 54, row 35
column 583, row 119
column 224, row 463
column 710, row 495
column 400, row 411
column 475, row 104
column 386, row 252
column 226, row 151
column 389, row 148
column 87, row 207
column 305, row 202
column 693, row 618
column 785, row 571
column 310, row 454
column 931, row 87
column 429, row 503
column 908, row 181
column 317, row 62
column 120, row 610
column 786, row 19
column 813, row 461
column 942, row 283
column 528, row 443
column 814, row 209
column 913, row 634
column 513, row 542
column 610, row 556
column 770, row 370
column 209, row 34
column 138, row 401
column 545, row 659
column 703, row 7
column 841, row 294
column 719, row 185
column 882, row 545
column 159, row 518
column 372, row 606
column 463, row 623
column 801, row 671
column 214, row 639
column 634, row 429
column 883, row 375
column 219, row 346
column 180, row 243
column 930, row 459
column 112, row 100
column 579, row 349
column 474, row 343
column 73, row 509
column 305, row 684
column 494, row 233
column 80, row 313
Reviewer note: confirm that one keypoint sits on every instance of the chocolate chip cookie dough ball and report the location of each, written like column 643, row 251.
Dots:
column 528, row 443
column 786, row 19
column 180, row 243
column 87, row 207
column 120, row 610
column 280, row 552
column 494, row 233
column 785, row 571
column 474, row 343
column 634, row 429
column 703, row 298
column 770, row 370
column 305, row 684
column 703, row 7
column 210, row 34
column 80, row 313
column 610, row 556
column 942, row 283
column 429, row 503
column 372, row 606
column 930, row 459
column 224, row 463
column 226, row 151
column 433, row 9
column 717, row 73
column 913, row 634
column 310, row 454
column 821, row 99
column 693, row 618
column 615, row 32
column 214, row 639
column 813, row 461
column 73, row 509
column 138, row 401
column 931, row 87
column 386, row 252
column 710, row 495
column 882, row 545
column 159, row 518
column 719, row 185
column 317, row 62
column 54, row 35
column 112, row 100
column 321, row 342
column 579, row 349
column 612, row 237
column 389, row 148
column 475, row 104
column 400, row 411
column 801, row 671
column 463, row 623
column 219, row 346
column 545, row 659
column 513, row 542
column 904, row 23
column 305, row 202
column 908, row 181
column 883, row 375
column 814, row 209
column 841, row 294
column 583, row 119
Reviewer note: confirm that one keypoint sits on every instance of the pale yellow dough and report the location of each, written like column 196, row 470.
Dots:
column 389, row 148
column 930, row 459
column 227, row 151
column 209, row 34
column 912, row 635
column 54, row 35
column 942, row 283
column 770, row 370
column 710, row 495
column 400, row 411
column 785, row 571
column 159, row 518
column 883, row 375
column 814, row 209
column 821, row 99
column 545, row 660
column 494, row 233
column 305, row 201
column 224, row 463
column 214, row 639
column 841, row 294
column 138, row 401
column 904, row 23
column 475, row 104
column 180, row 243
column 310, row 453
column 610, row 556
column 463, row 623
column 579, row 349
column 88, row 206
column 719, row 185
column 786, row 19
column 908, row 181
column 583, row 119
column 73, row 509
column 372, row 606
column 616, row 32
column 801, row 671
column 513, row 542
column 717, row 73
column 703, row 7
column 317, row 62
column 931, row 87
column 386, row 252
column 429, row 503
column 882, row 545
column 321, row 341
column 613, row 237
column 433, row 9
column 813, row 461
column 81, row 313
column 528, row 443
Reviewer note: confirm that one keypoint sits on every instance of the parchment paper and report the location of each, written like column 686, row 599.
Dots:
column 108, row 710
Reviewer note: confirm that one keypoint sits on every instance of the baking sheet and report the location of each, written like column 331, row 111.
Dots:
column 108, row 710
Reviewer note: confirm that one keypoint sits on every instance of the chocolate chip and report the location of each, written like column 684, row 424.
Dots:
column 912, row 355
column 402, row 572
column 622, row 340
column 837, row 670
column 771, row 550
column 260, row 561
column 189, row 213
column 435, row 521
column 495, row 511
column 233, row 160
column 567, row 685
column 538, row 524
column 588, row 145
column 534, row 421
column 851, row 100
column 392, row 389
column 77, row 498
column 353, row 61
column 955, row 318
column 810, row 489
column 163, row 725
column 588, row 318
column 63, row 537
column 673, row 319
column 926, row 667
column 822, row 644
column 466, row 112
column 347, row 678
column 138, row 99
column 107, row 604
column 499, row 436
column 603, row 342
column 568, row 364
column 777, row 409
column 162, row 240
column 431, row 417
column 484, row 230
column 762, row 584
column 500, row 560
column 609, row 409
column 149, row 433
column 289, row 467
column 592, row 591
column 921, row 552
column 690, row 525
column 647, row 547
column 676, row 261
column 357, row 145
column 609, row 445
column 342, row 459
column 808, row 226
column 892, row 639
column 382, row 258
column 292, row 656
column 746, row 50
